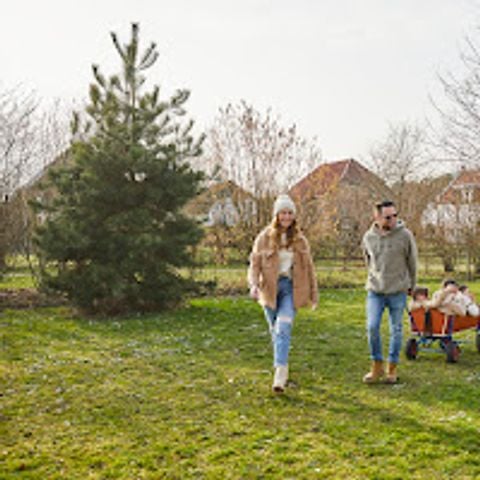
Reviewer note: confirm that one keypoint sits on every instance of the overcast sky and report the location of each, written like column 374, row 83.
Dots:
column 341, row 70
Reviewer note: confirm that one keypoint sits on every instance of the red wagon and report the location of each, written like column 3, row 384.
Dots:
column 432, row 326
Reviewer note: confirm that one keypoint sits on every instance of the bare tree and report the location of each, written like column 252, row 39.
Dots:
column 16, row 149
column 260, row 155
column 401, row 157
column 257, row 152
column 457, row 134
column 30, row 139
column 456, row 137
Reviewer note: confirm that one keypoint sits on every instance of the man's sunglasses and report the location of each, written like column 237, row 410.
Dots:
column 389, row 217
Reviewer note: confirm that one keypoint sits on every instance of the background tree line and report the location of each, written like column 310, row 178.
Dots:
column 133, row 146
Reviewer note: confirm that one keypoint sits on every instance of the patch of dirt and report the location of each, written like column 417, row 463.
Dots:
column 28, row 298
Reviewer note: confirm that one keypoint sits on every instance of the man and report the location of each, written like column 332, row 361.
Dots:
column 391, row 257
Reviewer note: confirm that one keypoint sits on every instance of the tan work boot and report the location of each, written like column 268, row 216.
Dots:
column 280, row 378
column 391, row 373
column 376, row 373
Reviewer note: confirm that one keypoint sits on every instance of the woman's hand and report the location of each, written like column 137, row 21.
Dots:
column 314, row 306
column 254, row 292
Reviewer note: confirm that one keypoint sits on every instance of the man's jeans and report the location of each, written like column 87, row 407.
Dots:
column 376, row 304
column 280, row 321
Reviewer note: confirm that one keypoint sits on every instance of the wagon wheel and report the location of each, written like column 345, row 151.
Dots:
column 411, row 349
column 453, row 352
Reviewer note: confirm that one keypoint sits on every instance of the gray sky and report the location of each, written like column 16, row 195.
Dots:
column 339, row 69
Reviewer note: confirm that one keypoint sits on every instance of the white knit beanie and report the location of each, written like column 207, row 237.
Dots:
column 283, row 202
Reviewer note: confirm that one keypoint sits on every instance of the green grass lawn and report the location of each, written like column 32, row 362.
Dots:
column 187, row 395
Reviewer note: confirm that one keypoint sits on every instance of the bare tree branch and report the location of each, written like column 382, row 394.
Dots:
column 457, row 136
column 30, row 139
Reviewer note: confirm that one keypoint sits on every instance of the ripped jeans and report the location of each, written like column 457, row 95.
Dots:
column 280, row 321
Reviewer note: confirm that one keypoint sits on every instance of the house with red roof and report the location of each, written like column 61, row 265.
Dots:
column 457, row 207
column 336, row 201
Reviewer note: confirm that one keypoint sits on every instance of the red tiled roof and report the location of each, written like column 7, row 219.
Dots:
column 327, row 176
column 321, row 180
column 464, row 179
column 468, row 177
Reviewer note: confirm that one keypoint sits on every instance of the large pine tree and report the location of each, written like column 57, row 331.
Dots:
column 115, row 234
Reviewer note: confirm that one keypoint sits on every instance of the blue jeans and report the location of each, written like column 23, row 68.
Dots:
column 376, row 304
column 280, row 321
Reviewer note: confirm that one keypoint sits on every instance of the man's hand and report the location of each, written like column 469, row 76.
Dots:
column 314, row 306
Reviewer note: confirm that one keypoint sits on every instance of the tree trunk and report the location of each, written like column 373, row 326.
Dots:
column 3, row 236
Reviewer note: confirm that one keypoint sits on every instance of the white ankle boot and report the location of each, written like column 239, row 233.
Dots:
column 280, row 378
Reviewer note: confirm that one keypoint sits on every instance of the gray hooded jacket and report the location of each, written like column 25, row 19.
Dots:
column 391, row 259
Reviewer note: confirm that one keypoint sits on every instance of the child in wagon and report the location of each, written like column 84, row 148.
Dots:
column 453, row 300
column 448, row 299
column 471, row 305
column 419, row 298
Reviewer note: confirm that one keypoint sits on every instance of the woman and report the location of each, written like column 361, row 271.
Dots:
column 282, row 278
